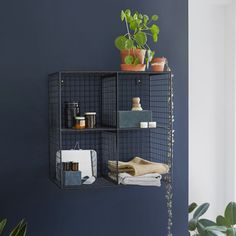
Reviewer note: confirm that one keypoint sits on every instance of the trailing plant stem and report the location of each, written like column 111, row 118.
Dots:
column 126, row 23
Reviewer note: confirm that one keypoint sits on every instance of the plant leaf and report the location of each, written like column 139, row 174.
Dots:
column 145, row 19
column 231, row 232
column 23, row 230
column 192, row 207
column 129, row 19
column 155, row 29
column 129, row 43
column 221, row 221
column 20, row 229
column 155, row 38
column 138, row 21
column 207, row 223
column 230, row 213
column 122, row 15
column 2, row 225
column 192, row 224
column 133, row 25
column 215, row 233
column 201, row 229
column 136, row 61
column 127, row 12
column 135, row 16
column 129, row 59
column 201, row 210
column 120, row 42
column 216, row 228
column 155, row 17
column 140, row 16
column 150, row 55
column 140, row 38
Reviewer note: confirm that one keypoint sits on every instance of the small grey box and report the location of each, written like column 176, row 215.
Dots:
column 132, row 119
column 71, row 178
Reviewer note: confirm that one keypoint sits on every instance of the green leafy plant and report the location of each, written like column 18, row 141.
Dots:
column 139, row 27
column 19, row 230
column 224, row 225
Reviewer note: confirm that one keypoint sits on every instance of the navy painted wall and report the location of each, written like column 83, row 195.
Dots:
column 39, row 37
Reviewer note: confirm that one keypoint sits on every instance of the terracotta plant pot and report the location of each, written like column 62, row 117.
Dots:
column 138, row 67
column 139, row 53
column 158, row 64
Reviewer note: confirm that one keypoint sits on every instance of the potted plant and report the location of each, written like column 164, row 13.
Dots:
column 222, row 226
column 134, row 50
column 158, row 64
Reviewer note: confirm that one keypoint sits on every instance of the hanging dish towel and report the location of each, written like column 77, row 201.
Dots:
column 143, row 180
column 138, row 166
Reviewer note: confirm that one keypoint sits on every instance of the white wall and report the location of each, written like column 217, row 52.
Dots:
column 230, row 109
column 211, row 103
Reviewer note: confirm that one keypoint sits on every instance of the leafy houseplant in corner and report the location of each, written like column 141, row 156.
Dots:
column 19, row 230
column 222, row 226
column 133, row 44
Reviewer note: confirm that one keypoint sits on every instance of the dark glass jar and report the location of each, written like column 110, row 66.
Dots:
column 90, row 120
column 71, row 111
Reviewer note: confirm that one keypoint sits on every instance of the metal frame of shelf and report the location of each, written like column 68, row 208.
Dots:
column 114, row 89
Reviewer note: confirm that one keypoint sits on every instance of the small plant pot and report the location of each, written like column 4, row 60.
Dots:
column 138, row 67
column 139, row 53
column 158, row 64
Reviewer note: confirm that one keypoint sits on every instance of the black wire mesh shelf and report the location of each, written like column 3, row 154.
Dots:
column 108, row 92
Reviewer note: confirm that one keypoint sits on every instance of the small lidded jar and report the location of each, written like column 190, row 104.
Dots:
column 79, row 122
column 90, row 118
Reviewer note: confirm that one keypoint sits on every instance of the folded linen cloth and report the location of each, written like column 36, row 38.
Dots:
column 138, row 166
column 143, row 180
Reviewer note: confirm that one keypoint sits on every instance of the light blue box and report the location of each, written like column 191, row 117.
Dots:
column 132, row 119
column 72, row 178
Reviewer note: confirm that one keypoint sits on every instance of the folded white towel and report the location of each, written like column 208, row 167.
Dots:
column 153, row 179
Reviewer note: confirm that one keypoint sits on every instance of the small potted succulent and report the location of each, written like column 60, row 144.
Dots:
column 158, row 64
column 134, row 50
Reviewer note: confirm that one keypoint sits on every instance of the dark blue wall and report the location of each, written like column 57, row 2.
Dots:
column 39, row 37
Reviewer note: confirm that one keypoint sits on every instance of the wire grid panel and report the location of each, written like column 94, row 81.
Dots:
column 160, row 104
column 54, row 121
column 84, row 88
column 134, row 144
column 109, row 150
column 133, row 86
column 109, row 101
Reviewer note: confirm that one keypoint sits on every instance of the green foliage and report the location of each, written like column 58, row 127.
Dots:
column 224, row 225
column 230, row 213
column 130, row 60
column 220, row 220
column 139, row 26
column 140, row 38
column 192, row 207
column 201, row 210
column 2, row 225
column 19, row 230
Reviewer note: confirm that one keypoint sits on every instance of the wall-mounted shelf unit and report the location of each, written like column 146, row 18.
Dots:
column 107, row 93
